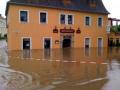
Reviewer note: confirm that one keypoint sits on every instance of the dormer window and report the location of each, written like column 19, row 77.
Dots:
column 66, row 2
column 91, row 3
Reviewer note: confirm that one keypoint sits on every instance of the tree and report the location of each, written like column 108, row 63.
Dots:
column 115, row 28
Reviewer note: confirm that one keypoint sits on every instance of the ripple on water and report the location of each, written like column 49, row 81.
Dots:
column 15, row 80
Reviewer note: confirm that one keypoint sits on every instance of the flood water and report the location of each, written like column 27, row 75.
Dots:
column 60, row 69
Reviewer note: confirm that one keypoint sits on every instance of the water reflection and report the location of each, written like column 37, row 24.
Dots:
column 67, row 69
column 67, row 54
column 47, row 54
column 87, row 52
column 100, row 51
column 26, row 54
column 113, row 75
column 3, row 58
column 14, row 80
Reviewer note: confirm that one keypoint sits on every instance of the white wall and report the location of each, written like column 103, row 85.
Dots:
column 3, row 29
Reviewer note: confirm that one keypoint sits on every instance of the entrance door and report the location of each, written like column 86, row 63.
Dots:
column 100, row 42
column 111, row 42
column 26, row 43
column 117, row 41
column 47, row 43
column 87, row 42
column 66, row 41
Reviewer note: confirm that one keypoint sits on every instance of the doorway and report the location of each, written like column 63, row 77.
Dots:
column 66, row 41
column 117, row 42
column 87, row 42
column 100, row 42
column 47, row 43
column 111, row 42
column 26, row 43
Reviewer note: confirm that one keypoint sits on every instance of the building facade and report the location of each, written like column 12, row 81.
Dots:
column 114, row 39
column 39, row 24
column 3, row 29
column 113, row 34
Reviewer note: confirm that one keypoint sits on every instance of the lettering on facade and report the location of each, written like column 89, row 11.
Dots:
column 67, row 30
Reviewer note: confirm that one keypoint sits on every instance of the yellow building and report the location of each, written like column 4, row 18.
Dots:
column 38, row 24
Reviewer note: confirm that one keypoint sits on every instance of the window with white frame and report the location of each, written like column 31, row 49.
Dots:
column 24, row 16
column 100, row 21
column 70, row 19
column 62, row 19
column 66, row 19
column 87, row 20
column 43, row 17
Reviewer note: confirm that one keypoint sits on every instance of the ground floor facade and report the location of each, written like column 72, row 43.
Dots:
column 114, row 39
column 56, row 40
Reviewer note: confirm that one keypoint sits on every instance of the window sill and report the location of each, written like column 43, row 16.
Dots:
column 100, row 26
column 43, row 23
column 24, row 22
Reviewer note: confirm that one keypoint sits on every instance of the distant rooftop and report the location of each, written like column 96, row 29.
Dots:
column 92, row 6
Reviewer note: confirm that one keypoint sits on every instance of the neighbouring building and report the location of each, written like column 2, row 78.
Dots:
column 113, row 36
column 39, row 24
column 3, row 29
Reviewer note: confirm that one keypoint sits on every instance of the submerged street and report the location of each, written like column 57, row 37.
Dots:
column 60, row 69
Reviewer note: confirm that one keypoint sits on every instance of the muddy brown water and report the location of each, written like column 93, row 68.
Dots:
column 60, row 69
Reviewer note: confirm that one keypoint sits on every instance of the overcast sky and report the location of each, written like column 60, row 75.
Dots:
column 111, row 5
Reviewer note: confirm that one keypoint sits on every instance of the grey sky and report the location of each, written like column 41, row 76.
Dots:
column 111, row 5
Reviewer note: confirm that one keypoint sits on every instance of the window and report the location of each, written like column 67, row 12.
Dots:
column 92, row 1
column 100, row 21
column 66, row 19
column 87, row 21
column 24, row 16
column 26, row 43
column 43, row 17
column 87, row 42
column 62, row 18
column 100, row 42
column 70, row 19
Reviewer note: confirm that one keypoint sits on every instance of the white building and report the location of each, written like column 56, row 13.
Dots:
column 3, row 29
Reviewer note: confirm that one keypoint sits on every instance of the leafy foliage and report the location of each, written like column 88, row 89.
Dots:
column 115, row 28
